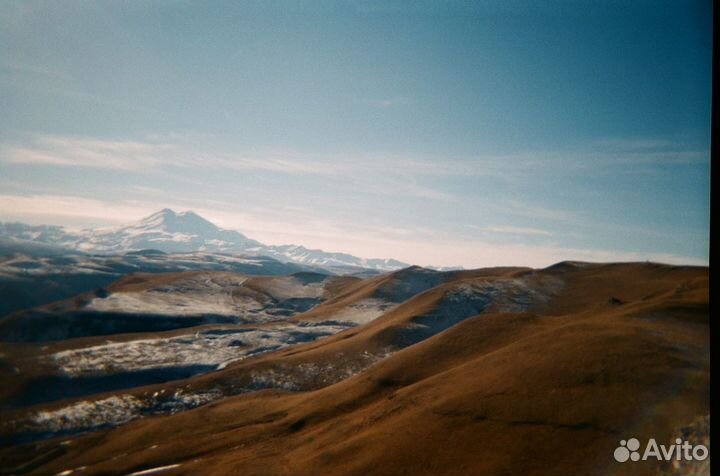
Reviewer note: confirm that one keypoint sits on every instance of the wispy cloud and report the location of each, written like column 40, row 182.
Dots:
column 172, row 151
column 87, row 153
column 618, row 156
column 514, row 230
column 66, row 208
column 141, row 155
column 374, row 175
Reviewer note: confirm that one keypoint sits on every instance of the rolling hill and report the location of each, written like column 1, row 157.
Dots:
column 494, row 371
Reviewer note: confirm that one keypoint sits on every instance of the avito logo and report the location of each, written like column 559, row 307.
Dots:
column 680, row 451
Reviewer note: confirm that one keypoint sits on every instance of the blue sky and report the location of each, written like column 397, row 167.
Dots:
column 445, row 133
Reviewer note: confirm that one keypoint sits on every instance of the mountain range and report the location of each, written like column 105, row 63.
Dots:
column 176, row 232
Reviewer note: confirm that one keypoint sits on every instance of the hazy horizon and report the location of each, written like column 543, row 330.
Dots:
column 437, row 133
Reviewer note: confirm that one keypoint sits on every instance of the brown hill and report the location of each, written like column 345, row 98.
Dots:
column 495, row 372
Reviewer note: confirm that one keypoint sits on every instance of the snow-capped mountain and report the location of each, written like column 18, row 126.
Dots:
column 168, row 231
column 173, row 232
column 300, row 254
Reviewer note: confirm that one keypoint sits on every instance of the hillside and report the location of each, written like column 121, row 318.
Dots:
column 495, row 371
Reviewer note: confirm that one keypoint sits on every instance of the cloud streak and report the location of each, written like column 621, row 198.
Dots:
column 87, row 153
column 515, row 230
column 371, row 175
column 138, row 155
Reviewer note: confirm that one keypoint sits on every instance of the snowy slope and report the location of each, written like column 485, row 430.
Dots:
column 34, row 273
column 300, row 254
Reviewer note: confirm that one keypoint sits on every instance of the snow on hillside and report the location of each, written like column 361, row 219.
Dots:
column 210, row 348
column 221, row 294
column 38, row 274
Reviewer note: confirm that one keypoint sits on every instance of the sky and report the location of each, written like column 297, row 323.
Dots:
column 434, row 132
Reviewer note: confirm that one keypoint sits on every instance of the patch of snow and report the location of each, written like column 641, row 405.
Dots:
column 311, row 374
column 182, row 400
column 363, row 311
column 156, row 470
column 217, row 294
column 207, row 348
column 89, row 414
column 185, row 297
column 471, row 298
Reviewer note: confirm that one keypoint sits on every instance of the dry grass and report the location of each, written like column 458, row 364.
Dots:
column 618, row 350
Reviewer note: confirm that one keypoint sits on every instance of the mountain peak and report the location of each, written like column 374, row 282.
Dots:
column 171, row 221
column 162, row 215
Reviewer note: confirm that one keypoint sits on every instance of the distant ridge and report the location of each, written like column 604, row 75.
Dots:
column 172, row 232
